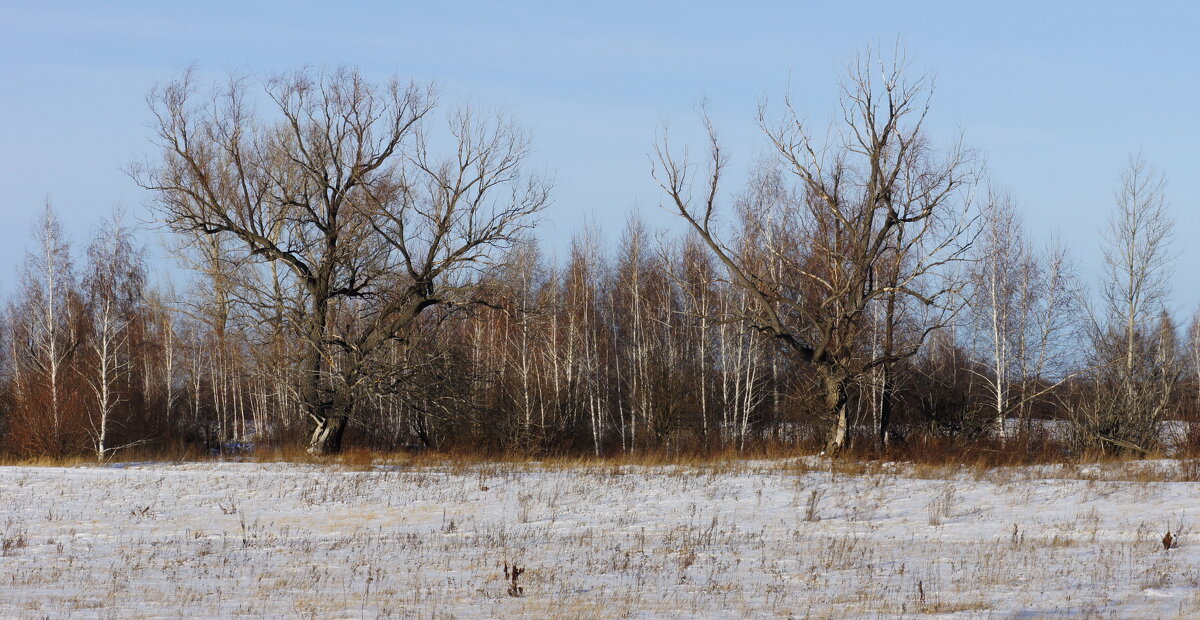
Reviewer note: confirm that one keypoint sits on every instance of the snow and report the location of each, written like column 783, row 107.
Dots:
column 745, row 539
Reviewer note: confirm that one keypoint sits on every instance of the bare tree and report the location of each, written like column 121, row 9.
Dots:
column 1024, row 302
column 876, row 194
column 1135, row 351
column 1193, row 352
column 113, row 289
column 586, row 377
column 339, row 186
column 47, row 338
column 1137, row 257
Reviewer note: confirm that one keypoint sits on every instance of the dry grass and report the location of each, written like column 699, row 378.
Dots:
column 420, row 536
column 927, row 459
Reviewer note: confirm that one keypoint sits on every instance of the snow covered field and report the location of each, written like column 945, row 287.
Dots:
column 757, row 539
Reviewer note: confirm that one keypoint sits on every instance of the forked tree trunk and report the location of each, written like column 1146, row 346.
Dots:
column 836, row 402
column 325, row 434
column 325, row 428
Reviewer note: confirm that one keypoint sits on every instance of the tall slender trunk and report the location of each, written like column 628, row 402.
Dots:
column 885, row 405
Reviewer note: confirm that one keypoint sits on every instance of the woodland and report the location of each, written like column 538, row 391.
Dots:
column 359, row 268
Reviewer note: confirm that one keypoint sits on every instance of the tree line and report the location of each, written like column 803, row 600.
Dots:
column 364, row 271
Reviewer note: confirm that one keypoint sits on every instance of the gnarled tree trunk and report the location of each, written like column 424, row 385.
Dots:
column 836, row 403
column 325, row 432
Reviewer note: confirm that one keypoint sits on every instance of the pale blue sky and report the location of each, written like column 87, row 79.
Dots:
column 1055, row 94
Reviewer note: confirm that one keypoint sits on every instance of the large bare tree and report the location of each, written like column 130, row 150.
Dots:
column 340, row 184
column 875, row 215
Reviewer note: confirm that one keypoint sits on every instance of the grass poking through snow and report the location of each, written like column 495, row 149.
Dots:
column 799, row 537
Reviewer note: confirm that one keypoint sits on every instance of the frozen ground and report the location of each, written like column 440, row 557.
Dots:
column 760, row 539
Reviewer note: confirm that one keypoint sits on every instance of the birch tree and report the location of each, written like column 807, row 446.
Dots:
column 1024, row 306
column 1134, row 347
column 1193, row 352
column 47, row 334
column 113, row 291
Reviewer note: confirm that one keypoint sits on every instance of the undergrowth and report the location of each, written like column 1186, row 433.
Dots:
column 922, row 458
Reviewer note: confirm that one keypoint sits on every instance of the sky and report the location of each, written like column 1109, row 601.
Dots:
column 1055, row 96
